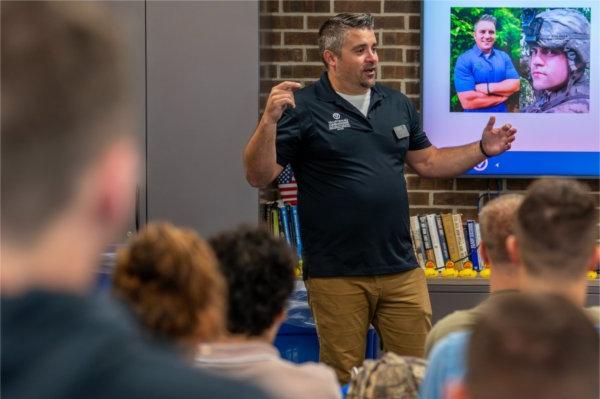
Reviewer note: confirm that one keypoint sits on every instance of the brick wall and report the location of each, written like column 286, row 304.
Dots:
column 288, row 51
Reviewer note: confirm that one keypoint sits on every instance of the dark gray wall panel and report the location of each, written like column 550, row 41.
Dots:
column 202, row 66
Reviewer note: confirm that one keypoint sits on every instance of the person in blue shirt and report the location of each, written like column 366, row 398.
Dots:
column 485, row 77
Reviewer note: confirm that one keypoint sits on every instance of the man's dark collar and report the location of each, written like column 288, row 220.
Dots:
column 325, row 91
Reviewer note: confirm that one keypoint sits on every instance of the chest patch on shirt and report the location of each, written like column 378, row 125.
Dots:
column 337, row 123
column 401, row 131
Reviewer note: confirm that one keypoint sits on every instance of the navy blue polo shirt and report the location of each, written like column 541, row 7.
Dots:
column 473, row 67
column 352, row 198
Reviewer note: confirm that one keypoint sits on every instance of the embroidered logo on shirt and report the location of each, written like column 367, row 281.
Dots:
column 337, row 123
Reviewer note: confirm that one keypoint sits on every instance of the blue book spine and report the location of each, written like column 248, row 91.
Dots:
column 288, row 210
column 285, row 223
column 472, row 244
column 296, row 222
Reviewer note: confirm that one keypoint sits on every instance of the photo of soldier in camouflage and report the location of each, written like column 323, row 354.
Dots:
column 557, row 59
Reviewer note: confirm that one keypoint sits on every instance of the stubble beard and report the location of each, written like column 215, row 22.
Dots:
column 366, row 83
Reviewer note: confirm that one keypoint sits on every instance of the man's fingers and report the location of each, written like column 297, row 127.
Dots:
column 491, row 122
column 508, row 133
column 285, row 94
column 278, row 92
column 283, row 102
column 287, row 97
column 505, row 130
column 287, row 85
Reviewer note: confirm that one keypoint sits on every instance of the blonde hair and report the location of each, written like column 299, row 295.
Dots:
column 497, row 221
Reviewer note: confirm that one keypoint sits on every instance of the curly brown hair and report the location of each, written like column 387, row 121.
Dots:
column 171, row 279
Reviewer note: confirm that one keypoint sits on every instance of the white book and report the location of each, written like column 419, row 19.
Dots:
column 460, row 236
column 435, row 241
column 415, row 232
column 478, row 242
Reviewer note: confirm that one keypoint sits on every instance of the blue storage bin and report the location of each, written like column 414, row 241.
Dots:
column 298, row 344
column 297, row 339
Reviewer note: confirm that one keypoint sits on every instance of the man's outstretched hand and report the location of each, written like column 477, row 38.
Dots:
column 494, row 140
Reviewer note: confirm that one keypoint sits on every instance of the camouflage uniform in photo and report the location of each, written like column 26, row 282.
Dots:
column 391, row 377
column 568, row 31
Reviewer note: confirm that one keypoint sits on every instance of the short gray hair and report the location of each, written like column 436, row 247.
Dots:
column 333, row 31
column 485, row 17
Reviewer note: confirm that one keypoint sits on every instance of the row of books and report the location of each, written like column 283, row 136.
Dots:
column 282, row 219
column 443, row 238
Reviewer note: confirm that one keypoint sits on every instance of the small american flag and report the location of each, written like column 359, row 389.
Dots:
column 288, row 189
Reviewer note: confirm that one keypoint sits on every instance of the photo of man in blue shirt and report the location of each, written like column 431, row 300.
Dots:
column 485, row 77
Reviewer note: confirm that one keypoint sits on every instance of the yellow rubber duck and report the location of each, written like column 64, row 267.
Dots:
column 467, row 271
column 449, row 271
column 430, row 269
column 298, row 269
column 592, row 275
column 485, row 273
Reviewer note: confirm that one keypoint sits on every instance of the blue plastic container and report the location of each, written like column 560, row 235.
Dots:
column 297, row 339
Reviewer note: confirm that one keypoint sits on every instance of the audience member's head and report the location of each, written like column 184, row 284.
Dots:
column 68, row 161
column 497, row 221
column 555, row 236
column 259, row 270
column 170, row 277
column 532, row 346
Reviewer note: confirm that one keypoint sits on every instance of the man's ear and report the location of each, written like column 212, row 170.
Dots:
column 484, row 253
column 512, row 248
column 456, row 390
column 117, row 179
column 280, row 318
column 330, row 58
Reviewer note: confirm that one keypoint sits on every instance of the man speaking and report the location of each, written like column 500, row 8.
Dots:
column 347, row 139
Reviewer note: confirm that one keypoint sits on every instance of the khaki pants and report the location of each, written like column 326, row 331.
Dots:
column 397, row 305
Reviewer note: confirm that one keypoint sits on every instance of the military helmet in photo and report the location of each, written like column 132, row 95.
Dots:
column 562, row 29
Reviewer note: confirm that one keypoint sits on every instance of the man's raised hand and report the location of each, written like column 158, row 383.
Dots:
column 281, row 97
column 495, row 141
